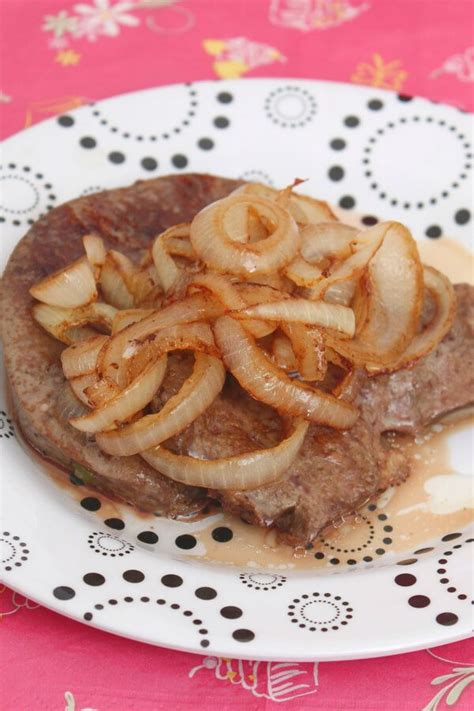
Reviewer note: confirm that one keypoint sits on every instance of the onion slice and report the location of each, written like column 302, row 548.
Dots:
column 441, row 290
column 222, row 288
column 267, row 383
column 394, row 302
column 192, row 336
column 127, row 403
column 127, row 317
column 194, row 397
column 80, row 384
column 245, row 471
column 100, row 392
column 215, row 247
column 61, row 323
column 81, row 358
column 95, row 252
column 308, row 347
column 316, row 313
column 115, row 280
column 304, row 209
column 167, row 270
column 194, row 308
column 283, row 354
column 326, row 240
column 303, row 273
column 67, row 288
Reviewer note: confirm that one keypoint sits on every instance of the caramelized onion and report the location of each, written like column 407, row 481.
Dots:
column 215, row 247
column 125, row 404
column 60, row 322
column 222, row 288
column 283, row 354
column 326, row 240
column 195, row 308
column 80, row 384
column 95, row 252
column 394, row 302
column 81, row 358
column 192, row 336
column 194, row 397
column 101, row 391
column 304, row 209
column 303, row 273
column 245, row 471
column 308, row 347
column 125, row 318
column 316, row 313
column 166, row 269
column 67, row 288
column 441, row 290
column 115, row 280
column 364, row 246
column 267, row 383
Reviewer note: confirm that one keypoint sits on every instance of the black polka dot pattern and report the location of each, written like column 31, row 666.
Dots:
column 149, row 537
column 147, row 599
column 116, row 157
column 243, row 635
column 257, row 176
column 462, row 217
column 231, row 612
column 91, row 503
column 25, row 196
column 376, row 181
column 94, row 579
column 133, row 576
column 320, row 612
column 222, row 534
column 106, row 544
column 13, row 551
column 262, row 581
column 63, row 592
column 443, row 570
column 115, row 523
column 186, row 542
column 290, row 107
column 179, row 161
column 88, row 142
column 205, row 593
column 373, row 527
column 172, row 581
column 7, row 429
column 112, row 123
column 225, row 97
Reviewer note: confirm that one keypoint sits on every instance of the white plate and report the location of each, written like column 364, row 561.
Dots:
column 362, row 149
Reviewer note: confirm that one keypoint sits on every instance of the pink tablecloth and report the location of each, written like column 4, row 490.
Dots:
column 58, row 54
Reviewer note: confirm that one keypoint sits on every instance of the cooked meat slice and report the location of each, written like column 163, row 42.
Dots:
column 127, row 219
column 336, row 472
column 410, row 399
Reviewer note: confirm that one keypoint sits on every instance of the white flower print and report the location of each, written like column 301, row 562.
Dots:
column 103, row 18
column 59, row 24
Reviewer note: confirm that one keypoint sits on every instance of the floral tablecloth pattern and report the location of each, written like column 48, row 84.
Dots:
column 60, row 54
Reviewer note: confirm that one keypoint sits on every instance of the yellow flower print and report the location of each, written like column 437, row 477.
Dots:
column 380, row 73
column 68, row 57
column 237, row 55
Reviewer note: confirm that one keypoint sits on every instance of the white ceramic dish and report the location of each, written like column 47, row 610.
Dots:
column 364, row 150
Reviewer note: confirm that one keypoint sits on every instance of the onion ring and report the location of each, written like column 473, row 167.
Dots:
column 194, row 397
column 215, row 248
column 245, row 471
column 267, row 383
